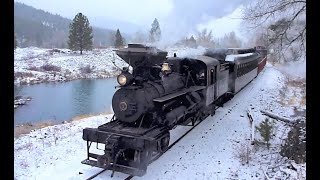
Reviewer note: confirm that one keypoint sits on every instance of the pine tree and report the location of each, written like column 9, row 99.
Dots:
column 231, row 40
column 265, row 128
column 192, row 38
column 80, row 34
column 119, row 41
column 155, row 32
column 15, row 41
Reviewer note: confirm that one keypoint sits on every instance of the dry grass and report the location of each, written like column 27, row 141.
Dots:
column 22, row 130
column 81, row 117
column 28, row 127
column 22, row 75
column 78, row 118
column 299, row 87
column 297, row 83
column 303, row 101
column 292, row 101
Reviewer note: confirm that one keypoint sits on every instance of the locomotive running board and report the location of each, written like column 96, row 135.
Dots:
column 176, row 94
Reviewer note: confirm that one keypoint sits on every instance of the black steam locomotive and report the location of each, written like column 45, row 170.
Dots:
column 161, row 93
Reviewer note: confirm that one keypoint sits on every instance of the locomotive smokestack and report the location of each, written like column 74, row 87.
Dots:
column 139, row 55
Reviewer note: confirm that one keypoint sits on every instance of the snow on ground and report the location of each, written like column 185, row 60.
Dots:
column 29, row 53
column 213, row 150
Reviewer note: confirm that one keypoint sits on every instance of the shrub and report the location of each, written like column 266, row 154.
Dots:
column 86, row 69
column 50, row 67
column 33, row 68
column 244, row 153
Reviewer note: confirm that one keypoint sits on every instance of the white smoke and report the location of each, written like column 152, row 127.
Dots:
column 185, row 52
column 186, row 15
column 294, row 70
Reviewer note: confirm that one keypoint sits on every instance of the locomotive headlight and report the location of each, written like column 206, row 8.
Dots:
column 122, row 79
column 125, row 78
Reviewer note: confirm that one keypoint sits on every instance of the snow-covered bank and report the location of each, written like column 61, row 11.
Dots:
column 35, row 65
column 213, row 150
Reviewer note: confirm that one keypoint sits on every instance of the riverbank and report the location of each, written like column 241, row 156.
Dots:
column 26, row 128
column 36, row 65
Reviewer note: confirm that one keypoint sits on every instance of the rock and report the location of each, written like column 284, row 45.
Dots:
column 19, row 101
column 17, row 97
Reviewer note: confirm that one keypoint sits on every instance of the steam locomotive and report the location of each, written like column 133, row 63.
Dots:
column 161, row 93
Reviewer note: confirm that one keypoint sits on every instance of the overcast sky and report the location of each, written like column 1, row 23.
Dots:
column 176, row 17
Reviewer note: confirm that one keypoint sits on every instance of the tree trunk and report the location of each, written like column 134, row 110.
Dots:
column 274, row 116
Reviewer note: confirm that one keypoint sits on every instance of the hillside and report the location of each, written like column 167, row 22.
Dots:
column 35, row 27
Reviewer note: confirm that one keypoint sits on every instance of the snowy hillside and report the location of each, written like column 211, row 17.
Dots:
column 219, row 148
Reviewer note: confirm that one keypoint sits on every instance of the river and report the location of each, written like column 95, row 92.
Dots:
column 61, row 101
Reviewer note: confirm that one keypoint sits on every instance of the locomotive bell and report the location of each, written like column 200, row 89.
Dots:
column 165, row 67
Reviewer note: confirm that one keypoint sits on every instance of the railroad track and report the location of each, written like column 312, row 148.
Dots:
column 97, row 174
column 175, row 142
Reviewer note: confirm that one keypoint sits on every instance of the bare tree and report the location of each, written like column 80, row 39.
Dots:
column 205, row 38
column 230, row 40
column 284, row 24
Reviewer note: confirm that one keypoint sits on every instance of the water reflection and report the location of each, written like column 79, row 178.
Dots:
column 82, row 94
